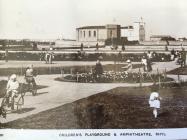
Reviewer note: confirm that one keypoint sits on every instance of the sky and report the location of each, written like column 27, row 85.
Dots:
column 52, row 19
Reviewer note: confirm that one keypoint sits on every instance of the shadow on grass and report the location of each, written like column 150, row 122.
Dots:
column 164, row 114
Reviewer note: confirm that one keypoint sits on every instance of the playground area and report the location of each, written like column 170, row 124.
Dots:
column 94, row 105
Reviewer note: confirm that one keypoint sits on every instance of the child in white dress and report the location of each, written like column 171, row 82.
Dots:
column 12, row 87
column 154, row 102
column 144, row 63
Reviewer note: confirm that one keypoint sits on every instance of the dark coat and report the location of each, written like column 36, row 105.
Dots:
column 98, row 68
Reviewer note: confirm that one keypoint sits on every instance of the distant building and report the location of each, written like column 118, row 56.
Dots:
column 182, row 39
column 104, row 35
column 96, row 34
column 135, row 32
column 159, row 37
column 64, row 43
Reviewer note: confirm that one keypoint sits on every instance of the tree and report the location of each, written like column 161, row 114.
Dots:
column 168, row 39
column 4, row 44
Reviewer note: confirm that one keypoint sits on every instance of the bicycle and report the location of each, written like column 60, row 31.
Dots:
column 31, row 88
column 17, row 102
column 30, row 85
column 2, row 112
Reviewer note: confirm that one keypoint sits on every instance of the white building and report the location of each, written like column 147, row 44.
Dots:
column 135, row 32
column 92, row 35
column 64, row 43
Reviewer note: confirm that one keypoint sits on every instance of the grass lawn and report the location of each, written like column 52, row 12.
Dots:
column 121, row 107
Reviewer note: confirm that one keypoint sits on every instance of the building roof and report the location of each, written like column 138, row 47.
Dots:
column 92, row 27
column 159, row 36
column 127, row 27
column 64, row 39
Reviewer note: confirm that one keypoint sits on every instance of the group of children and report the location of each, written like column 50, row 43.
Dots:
column 12, row 88
column 47, row 56
column 179, row 56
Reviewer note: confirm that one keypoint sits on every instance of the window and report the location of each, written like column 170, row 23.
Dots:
column 80, row 33
column 84, row 33
column 94, row 33
column 111, row 33
column 89, row 33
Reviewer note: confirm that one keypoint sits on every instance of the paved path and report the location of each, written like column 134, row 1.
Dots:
column 178, row 78
column 19, row 64
column 161, row 67
column 59, row 93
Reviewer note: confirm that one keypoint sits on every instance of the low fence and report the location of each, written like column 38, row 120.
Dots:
column 155, row 48
column 82, row 56
column 164, row 43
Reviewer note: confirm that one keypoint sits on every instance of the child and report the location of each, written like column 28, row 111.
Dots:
column 12, row 86
column 29, row 75
column 144, row 63
column 128, row 67
column 154, row 101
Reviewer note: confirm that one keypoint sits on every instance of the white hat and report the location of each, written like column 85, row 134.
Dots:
column 13, row 77
column 128, row 61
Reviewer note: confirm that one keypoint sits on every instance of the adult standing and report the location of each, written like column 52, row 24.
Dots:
column 183, row 58
column 149, row 65
column 98, row 70
column 172, row 55
column 51, row 56
column 82, row 47
column 6, row 55
column 149, row 55
column 119, row 56
column 144, row 63
column 149, row 61
column 97, row 46
column 123, row 46
column 47, row 55
column 128, row 67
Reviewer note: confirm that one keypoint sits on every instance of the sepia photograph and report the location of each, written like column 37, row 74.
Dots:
column 100, row 65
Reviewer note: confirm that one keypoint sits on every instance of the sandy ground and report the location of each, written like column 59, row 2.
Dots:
column 59, row 93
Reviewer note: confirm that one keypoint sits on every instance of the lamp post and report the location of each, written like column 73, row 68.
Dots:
column 6, row 52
